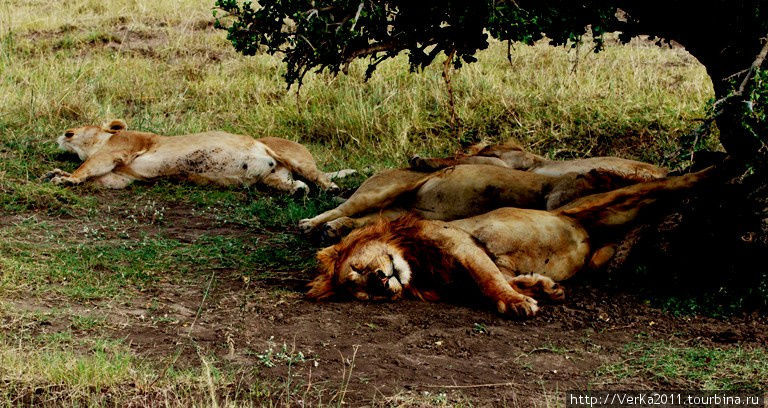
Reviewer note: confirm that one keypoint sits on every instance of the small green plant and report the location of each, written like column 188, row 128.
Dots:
column 479, row 328
column 86, row 322
column 273, row 355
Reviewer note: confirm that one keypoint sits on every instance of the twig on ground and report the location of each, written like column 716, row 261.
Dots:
column 506, row 384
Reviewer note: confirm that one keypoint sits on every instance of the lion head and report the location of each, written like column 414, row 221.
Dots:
column 369, row 264
column 87, row 139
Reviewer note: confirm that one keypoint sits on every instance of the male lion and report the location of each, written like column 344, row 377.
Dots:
column 115, row 157
column 457, row 192
column 510, row 255
column 511, row 155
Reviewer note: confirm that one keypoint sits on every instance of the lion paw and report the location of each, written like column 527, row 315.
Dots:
column 54, row 173
column 555, row 292
column 333, row 188
column 520, row 306
column 64, row 181
column 417, row 163
column 306, row 225
column 299, row 189
column 337, row 228
column 538, row 286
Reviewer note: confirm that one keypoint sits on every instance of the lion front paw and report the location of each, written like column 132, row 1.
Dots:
column 337, row 228
column 54, row 173
column 64, row 181
column 306, row 225
column 520, row 306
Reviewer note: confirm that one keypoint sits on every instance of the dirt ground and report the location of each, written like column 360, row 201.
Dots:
column 389, row 352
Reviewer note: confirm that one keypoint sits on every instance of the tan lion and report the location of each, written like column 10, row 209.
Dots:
column 510, row 256
column 513, row 156
column 114, row 157
column 456, row 192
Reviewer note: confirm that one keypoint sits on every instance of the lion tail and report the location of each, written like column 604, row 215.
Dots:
column 621, row 206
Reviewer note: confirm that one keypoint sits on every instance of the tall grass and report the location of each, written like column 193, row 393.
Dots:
column 163, row 68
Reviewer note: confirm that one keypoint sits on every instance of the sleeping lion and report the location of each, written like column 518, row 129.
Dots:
column 513, row 156
column 457, row 192
column 115, row 157
column 510, row 256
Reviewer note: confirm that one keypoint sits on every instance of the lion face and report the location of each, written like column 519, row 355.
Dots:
column 372, row 271
column 83, row 140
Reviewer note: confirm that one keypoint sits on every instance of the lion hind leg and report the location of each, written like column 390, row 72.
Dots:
column 281, row 179
column 621, row 206
column 538, row 287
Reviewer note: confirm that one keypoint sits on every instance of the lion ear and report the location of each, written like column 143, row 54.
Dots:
column 115, row 126
column 322, row 287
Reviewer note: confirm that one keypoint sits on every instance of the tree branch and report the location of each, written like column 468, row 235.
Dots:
column 756, row 64
column 369, row 50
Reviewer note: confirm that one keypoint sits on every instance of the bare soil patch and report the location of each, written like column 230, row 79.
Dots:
column 394, row 350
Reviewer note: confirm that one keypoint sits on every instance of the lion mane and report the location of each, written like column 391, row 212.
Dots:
column 432, row 267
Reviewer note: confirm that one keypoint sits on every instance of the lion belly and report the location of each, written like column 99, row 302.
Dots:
column 529, row 241
column 467, row 190
column 629, row 168
column 216, row 157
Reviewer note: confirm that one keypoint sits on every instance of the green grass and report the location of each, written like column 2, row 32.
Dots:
column 155, row 67
column 94, row 271
column 692, row 367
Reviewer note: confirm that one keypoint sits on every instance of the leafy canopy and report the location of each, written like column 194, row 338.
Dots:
column 328, row 35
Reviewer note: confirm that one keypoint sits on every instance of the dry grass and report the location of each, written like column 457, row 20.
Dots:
column 163, row 68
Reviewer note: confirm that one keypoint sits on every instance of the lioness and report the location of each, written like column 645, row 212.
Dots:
column 457, row 192
column 115, row 157
column 513, row 156
column 511, row 255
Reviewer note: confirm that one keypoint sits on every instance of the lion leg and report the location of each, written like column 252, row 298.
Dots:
column 95, row 166
column 55, row 172
column 538, row 287
column 281, row 179
column 489, row 278
column 621, row 206
column 376, row 193
column 343, row 225
column 312, row 174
